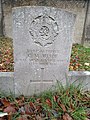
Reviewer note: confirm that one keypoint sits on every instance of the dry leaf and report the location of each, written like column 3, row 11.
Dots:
column 5, row 102
column 55, row 98
column 49, row 102
column 10, row 109
column 63, row 107
column 67, row 117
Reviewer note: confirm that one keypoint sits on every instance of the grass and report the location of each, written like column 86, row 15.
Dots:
column 6, row 55
column 57, row 104
column 80, row 57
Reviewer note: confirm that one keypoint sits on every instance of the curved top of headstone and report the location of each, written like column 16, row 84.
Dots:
column 48, row 7
column 41, row 8
column 43, row 22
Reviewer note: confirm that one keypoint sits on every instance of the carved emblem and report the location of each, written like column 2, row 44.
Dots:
column 44, row 30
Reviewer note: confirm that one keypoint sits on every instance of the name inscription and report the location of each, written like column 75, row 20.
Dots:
column 43, row 56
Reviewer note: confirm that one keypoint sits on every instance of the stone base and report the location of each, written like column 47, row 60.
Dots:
column 7, row 81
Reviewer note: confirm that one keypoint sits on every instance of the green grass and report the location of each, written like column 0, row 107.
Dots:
column 6, row 55
column 80, row 58
column 55, row 103
column 69, row 100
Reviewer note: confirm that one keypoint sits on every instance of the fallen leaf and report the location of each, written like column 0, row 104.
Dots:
column 55, row 98
column 32, row 105
column 62, row 106
column 67, row 117
column 5, row 102
column 49, row 102
column 10, row 109
column 28, row 110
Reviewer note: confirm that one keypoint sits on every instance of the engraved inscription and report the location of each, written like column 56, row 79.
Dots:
column 44, row 30
column 44, row 57
column 46, row 81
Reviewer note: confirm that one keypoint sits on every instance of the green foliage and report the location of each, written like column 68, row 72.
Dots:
column 59, row 102
column 6, row 55
column 80, row 58
column 79, row 114
column 69, row 100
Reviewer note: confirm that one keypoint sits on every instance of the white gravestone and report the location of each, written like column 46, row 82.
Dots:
column 42, row 47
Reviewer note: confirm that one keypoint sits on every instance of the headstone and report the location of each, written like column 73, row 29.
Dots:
column 42, row 47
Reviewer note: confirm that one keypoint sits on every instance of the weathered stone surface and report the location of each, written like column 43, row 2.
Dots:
column 42, row 45
column 7, row 82
column 76, row 77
